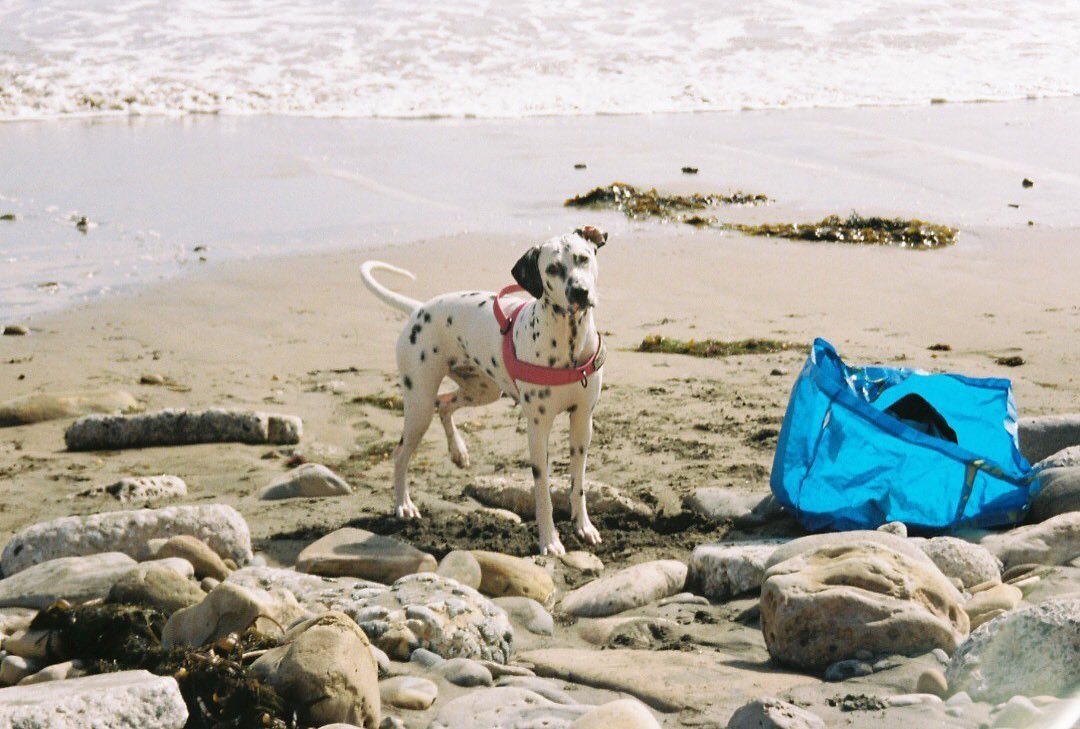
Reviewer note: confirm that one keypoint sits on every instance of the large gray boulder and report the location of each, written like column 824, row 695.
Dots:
column 894, row 542
column 123, row 700
column 833, row 602
column 308, row 480
column 1033, row 651
column 181, row 427
column 961, row 560
column 1060, row 493
column 628, row 588
column 418, row 611
column 1045, row 435
column 72, row 578
column 1052, row 542
column 1068, row 458
column 218, row 525
column 722, row 571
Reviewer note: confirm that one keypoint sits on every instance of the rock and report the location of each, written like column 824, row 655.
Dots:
column 204, row 560
column 352, row 552
column 825, row 604
column 501, row 514
column 627, row 632
column 1044, row 436
column 529, row 613
column 985, row 617
column 218, row 525
column 956, row 558
column 1053, row 542
column 628, row 588
column 1060, row 493
column 772, row 713
column 15, row 330
column 1019, row 711
column 932, row 681
column 1067, row 458
column 722, row 504
column 465, row 672
column 548, row 689
column 722, row 571
column 388, row 722
column 898, row 528
column 850, row 668
column 506, row 576
column 39, row 408
column 584, row 562
column 505, row 707
column 326, row 671
column 308, row 480
column 156, row 587
column 913, row 700
column 1034, row 650
column 998, row 598
column 624, row 714
column 142, row 488
column 119, row 700
column 795, row 547
column 461, row 566
column 15, row 668
column 500, row 670
column 73, row 578
column 426, row 658
column 683, row 598
column 231, row 608
column 418, row 611
column 515, row 493
column 15, row 619
column 408, row 692
column 181, row 427
column 43, row 646
column 55, row 672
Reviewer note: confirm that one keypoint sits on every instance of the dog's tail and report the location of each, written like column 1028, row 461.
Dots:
column 394, row 299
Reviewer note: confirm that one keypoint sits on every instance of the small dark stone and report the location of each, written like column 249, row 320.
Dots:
column 579, row 166
column 689, row 170
column 1027, row 183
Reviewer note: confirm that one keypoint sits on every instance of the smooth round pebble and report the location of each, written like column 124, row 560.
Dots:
column 932, row 681
column 465, row 672
column 408, row 692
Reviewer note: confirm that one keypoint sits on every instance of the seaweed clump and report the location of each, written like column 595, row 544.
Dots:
column 714, row 347
column 639, row 204
column 858, row 229
column 217, row 688
column 386, row 402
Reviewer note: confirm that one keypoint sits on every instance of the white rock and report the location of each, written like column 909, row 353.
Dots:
column 465, row 672
column 123, row 700
column 218, row 525
column 1053, row 542
column 181, row 427
column 1066, row 458
column 461, row 566
column 628, row 588
column 772, row 713
column 72, row 578
column 408, row 692
column 307, row 480
column 898, row 528
column 722, row 571
column 142, row 488
column 624, row 714
column 506, row 707
column 15, row 668
column 1019, row 711
column 529, row 613
column 836, row 539
column 585, row 562
column 231, row 608
column 967, row 562
column 55, row 672
column 721, row 504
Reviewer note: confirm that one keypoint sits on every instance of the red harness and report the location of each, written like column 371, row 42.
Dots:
column 537, row 374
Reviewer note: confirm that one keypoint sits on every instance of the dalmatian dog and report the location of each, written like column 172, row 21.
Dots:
column 458, row 336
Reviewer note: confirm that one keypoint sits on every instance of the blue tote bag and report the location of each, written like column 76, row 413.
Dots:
column 863, row 446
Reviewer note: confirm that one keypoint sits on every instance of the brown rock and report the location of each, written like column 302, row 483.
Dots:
column 505, row 576
column 207, row 562
column 352, row 552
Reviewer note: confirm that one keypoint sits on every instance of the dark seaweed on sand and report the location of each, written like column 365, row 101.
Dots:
column 857, row 229
column 216, row 686
column 638, row 204
column 714, row 347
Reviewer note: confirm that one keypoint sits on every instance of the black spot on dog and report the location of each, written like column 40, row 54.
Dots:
column 536, row 471
column 489, row 373
column 412, row 334
column 401, row 440
column 528, row 397
column 407, row 381
column 536, row 421
column 551, row 361
column 449, row 320
column 480, row 304
column 452, row 362
column 571, row 408
column 494, row 362
column 427, row 317
column 557, row 309
column 542, row 410
column 554, row 344
column 434, row 350
column 423, row 356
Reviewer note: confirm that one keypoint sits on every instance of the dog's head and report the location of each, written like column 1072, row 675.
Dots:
column 563, row 270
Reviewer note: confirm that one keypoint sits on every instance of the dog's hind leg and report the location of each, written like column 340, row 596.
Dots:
column 472, row 390
column 419, row 400
column 580, row 437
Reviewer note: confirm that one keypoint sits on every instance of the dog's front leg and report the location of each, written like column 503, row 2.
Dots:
column 539, row 429
column 580, row 437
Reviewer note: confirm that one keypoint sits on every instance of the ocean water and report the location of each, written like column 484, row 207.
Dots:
column 510, row 58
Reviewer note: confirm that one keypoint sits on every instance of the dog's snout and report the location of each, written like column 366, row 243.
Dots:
column 578, row 296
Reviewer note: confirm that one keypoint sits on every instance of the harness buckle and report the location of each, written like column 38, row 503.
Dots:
column 585, row 382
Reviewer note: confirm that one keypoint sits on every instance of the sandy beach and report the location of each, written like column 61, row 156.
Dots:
column 262, row 325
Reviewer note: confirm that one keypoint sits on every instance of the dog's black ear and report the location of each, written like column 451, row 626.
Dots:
column 594, row 235
column 527, row 272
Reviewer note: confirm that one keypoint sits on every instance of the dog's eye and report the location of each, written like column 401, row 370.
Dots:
column 581, row 260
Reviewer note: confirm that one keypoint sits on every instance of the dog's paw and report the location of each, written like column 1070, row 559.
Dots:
column 460, row 458
column 407, row 510
column 588, row 534
column 554, row 547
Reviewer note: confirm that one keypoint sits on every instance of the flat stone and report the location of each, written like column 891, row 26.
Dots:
column 181, row 427
column 1055, row 541
column 408, row 692
column 722, row 504
column 205, row 561
column 231, row 608
column 43, row 646
column 585, row 562
column 1019, row 711
column 1043, row 436
column 722, row 571
column 359, row 553
column 42, row 407
column 141, row 488
column 461, row 566
column 628, row 588
column 15, row 330
column 465, row 672
column 418, row 611
column 13, row 619
column 826, row 604
column 956, row 558
column 56, row 672
column 1060, row 493
column 640, row 631
column 15, row 668
column 326, row 671
column 119, row 700
column 666, row 680
column 515, row 493
column 1031, row 651
column 155, row 587
column 219, row 525
column 527, row 612
column 898, row 528
column 999, row 597
column 505, row 576
column 798, row 546
column 308, row 480
column 932, row 681
column 624, row 714
column 1066, row 458
column 683, row 598
column 772, row 713
column 505, row 707
column 76, row 579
